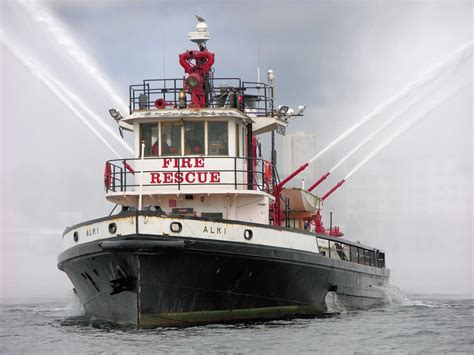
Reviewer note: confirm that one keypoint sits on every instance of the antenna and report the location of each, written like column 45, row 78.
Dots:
column 201, row 35
column 164, row 55
column 270, row 57
column 258, row 63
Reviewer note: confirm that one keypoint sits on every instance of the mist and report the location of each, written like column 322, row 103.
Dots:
column 340, row 59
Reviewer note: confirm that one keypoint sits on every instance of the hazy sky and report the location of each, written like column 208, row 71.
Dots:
column 340, row 58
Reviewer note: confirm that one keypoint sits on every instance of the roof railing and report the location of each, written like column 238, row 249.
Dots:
column 252, row 98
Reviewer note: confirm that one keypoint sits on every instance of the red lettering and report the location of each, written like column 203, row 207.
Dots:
column 155, row 178
column 167, row 178
column 178, row 178
column 202, row 177
column 199, row 162
column 215, row 176
column 187, row 177
column 186, row 163
column 175, row 165
column 166, row 162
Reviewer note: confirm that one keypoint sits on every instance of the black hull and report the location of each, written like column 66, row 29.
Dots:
column 151, row 281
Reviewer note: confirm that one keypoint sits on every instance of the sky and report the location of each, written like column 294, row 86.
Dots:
column 339, row 58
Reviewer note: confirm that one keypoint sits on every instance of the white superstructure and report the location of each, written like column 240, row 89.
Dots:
column 195, row 163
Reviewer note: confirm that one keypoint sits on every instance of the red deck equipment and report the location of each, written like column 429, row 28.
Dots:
column 333, row 189
column 198, row 72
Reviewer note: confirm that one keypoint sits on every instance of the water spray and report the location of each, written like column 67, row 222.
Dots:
column 60, row 35
column 402, row 129
column 453, row 60
column 43, row 77
column 364, row 142
column 91, row 113
column 456, row 58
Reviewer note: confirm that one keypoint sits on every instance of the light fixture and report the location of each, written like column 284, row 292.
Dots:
column 271, row 78
column 182, row 99
column 115, row 114
column 193, row 81
column 301, row 109
column 282, row 110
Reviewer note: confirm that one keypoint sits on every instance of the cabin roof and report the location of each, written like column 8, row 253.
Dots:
column 188, row 113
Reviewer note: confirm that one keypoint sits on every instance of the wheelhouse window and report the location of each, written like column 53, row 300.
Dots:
column 244, row 135
column 218, row 138
column 149, row 135
column 170, row 138
column 237, row 140
column 194, row 137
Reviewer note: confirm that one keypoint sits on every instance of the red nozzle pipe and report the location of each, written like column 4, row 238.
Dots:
column 333, row 189
column 292, row 175
column 321, row 179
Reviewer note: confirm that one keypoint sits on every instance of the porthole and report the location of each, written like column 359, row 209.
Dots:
column 248, row 234
column 75, row 236
column 176, row 227
column 112, row 228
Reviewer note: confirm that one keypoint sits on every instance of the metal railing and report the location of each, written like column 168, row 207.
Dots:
column 120, row 173
column 286, row 211
column 255, row 98
column 352, row 252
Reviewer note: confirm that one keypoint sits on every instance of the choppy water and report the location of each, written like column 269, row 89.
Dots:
column 417, row 323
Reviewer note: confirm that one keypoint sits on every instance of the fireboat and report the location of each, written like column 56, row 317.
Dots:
column 206, row 231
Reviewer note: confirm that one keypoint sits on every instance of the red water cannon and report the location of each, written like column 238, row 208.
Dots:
column 339, row 184
column 197, row 64
column 160, row 104
column 334, row 232
column 317, row 221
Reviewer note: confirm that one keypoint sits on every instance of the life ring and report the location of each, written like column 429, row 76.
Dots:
column 107, row 175
column 268, row 174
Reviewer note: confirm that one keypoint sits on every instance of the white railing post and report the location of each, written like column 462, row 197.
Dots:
column 140, row 197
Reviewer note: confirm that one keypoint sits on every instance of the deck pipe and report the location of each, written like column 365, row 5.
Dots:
column 321, row 179
column 333, row 189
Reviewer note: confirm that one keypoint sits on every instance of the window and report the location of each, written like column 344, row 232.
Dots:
column 237, row 140
column 193, row 137
column 149, row 135
column 170, row 138
column 244, row 135
column 217, row 138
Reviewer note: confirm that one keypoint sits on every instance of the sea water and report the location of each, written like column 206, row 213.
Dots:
column 414, row 323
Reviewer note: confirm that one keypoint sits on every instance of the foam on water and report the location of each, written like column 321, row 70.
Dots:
column 333, row 304
column 394, row 296
column 74, row 308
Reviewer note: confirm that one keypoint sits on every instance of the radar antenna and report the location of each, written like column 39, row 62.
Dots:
column 201, row 35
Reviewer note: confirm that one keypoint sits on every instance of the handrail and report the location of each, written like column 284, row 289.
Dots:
column 256, row 97
column 358, row 253
column 119, row 174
